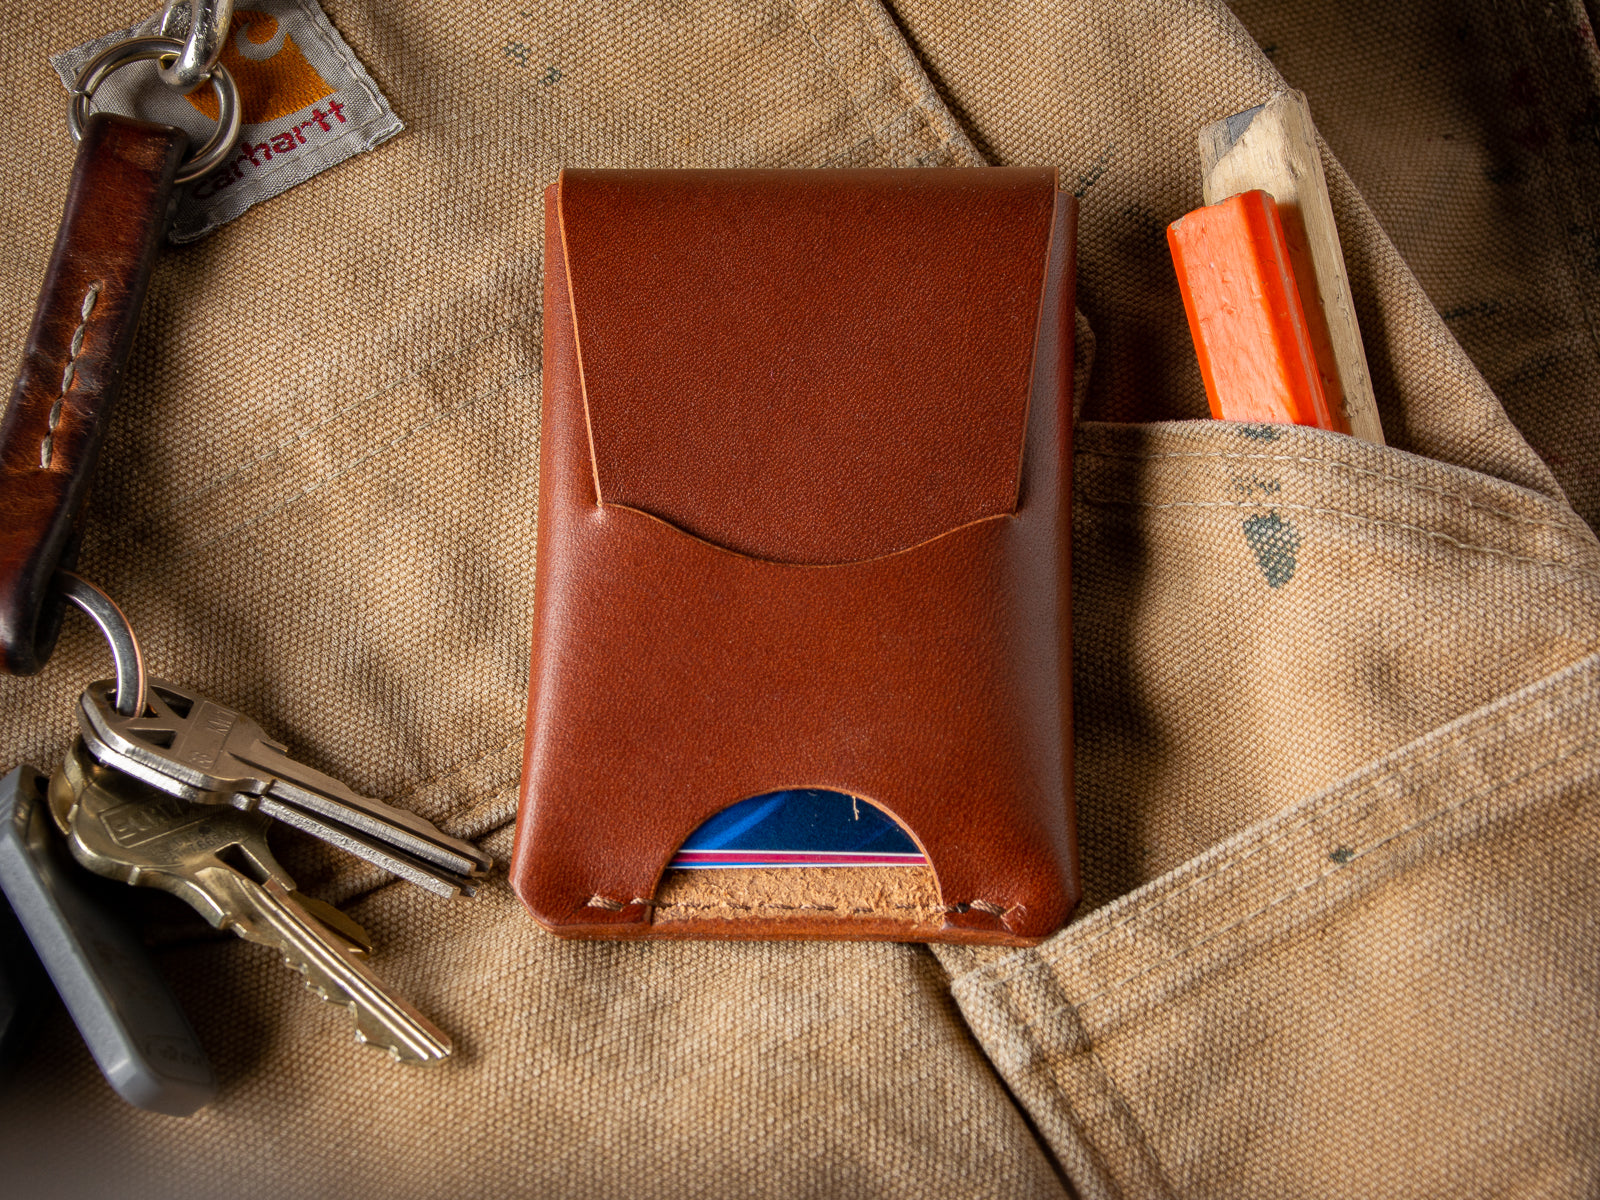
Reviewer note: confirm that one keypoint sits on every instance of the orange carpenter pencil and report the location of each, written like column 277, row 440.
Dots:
column 1245, row 316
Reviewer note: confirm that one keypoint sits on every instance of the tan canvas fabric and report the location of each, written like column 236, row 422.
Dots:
column 1384, row 990
column 1335, row 702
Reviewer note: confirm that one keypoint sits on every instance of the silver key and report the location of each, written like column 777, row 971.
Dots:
column 201, row 751
column 216, row 858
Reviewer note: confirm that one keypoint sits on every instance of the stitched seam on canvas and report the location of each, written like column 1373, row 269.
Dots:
column 355, row 465
column 1101, row 1080
column 378, row 393
column 352, row 69
column 459, row 815
column 75, row 353
column 455, row 770
column 911, row 105
column 907, row 130
column 507, row 823
column 849, row 152
column 1316, row 880
column 844, row 88
column 1277, row 837
column 1443, row 493
column 1317, row 510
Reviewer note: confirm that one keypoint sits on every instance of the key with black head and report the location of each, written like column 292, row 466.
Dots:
column 216, row 858
column 134, row 1028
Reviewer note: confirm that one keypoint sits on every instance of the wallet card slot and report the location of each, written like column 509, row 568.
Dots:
column 712, row 674
column 794, row 857
column 798, row 829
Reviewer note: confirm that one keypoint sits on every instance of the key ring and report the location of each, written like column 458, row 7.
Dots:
column 208, row 25
column 141, row 49
column 103, row 611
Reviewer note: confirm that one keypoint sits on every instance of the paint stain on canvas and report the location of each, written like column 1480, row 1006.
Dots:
column 1276, row 545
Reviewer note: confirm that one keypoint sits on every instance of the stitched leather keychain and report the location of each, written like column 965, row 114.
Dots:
column 117, row 208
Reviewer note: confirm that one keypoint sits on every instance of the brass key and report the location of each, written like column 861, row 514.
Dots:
column 216, row 859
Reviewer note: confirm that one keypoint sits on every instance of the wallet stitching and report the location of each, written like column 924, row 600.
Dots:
column 1318, row 510
column 1382, row 476
column 1473, row 798
column 76, row 352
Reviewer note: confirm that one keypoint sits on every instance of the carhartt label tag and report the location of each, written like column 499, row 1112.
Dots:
column 307, row 105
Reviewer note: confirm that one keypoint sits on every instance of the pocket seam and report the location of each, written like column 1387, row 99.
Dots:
column 1568, row 526
column 1003, row 972
column 1318, row 510
column 1314, row 881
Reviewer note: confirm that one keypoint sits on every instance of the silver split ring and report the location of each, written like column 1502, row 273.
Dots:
column 103, row 611
column 218, row 147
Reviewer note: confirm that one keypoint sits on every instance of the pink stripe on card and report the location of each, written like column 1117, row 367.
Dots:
column 791, row 858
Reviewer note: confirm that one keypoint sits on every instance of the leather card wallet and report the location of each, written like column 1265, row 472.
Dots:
column 804, row 523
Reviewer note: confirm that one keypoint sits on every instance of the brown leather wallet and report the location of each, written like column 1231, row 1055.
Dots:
column 804, row 515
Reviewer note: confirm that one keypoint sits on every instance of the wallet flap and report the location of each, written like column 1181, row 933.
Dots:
column 807, row 366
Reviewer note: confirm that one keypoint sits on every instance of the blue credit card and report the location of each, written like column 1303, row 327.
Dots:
column 807, row 828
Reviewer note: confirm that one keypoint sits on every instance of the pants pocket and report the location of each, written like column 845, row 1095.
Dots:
column 1338, row 750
